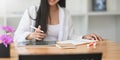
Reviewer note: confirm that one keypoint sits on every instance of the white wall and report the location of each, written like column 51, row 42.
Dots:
column 78, row 24
column 13, row 22
column 18, row 6
column 112, row 5
column 76, row 6
column 118, row 24
column 1, row 23
column 118, row 30
column 118, row 5
column 2, row 7
column 2, row 13
column 104, row 26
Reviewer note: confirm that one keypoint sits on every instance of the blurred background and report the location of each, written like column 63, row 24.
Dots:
column 89, row 16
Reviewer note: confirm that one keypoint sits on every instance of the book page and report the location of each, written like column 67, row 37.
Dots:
column 77, row 42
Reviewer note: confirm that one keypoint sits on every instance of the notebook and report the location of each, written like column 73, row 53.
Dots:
column 77, row 42
column 65, row 45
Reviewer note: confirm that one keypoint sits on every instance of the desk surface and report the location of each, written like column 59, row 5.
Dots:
column 110, row 50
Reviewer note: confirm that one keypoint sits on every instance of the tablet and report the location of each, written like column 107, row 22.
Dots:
column 33, row 43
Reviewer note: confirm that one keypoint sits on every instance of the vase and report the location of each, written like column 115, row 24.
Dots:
column 4, row 51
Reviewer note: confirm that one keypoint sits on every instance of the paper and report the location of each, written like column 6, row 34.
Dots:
column 77, row 42
column 66, row 45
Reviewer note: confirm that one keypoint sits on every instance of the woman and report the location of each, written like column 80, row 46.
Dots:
column 50, row 17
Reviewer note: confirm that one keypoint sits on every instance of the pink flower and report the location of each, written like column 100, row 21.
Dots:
column 6, row 39
column 7, row 28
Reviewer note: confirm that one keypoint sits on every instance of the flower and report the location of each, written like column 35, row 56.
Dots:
column 7, row 37
column 7, row 28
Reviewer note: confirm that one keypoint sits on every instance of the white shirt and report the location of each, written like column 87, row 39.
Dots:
column 52, row 33
column 66, row 31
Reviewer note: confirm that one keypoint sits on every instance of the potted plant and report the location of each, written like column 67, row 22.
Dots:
column 5, row 39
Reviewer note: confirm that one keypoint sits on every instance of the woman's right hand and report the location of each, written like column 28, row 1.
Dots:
column 38, row 34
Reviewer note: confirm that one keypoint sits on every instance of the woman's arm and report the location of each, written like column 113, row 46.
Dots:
column 72, row 34
column 24, row 32
column 23, row 29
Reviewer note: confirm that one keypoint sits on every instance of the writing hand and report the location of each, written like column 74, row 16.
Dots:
column 38, row 34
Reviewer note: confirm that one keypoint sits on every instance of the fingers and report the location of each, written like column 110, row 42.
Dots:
column 93, row 37
column 39, row 27
column 96, row 37
column 89, row 38
column 39, row 36
column 38, row 30
column 99, row 38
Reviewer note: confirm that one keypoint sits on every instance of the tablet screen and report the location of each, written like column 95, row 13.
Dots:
column 28, row 43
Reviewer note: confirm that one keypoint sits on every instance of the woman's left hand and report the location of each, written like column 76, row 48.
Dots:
column 92, row 37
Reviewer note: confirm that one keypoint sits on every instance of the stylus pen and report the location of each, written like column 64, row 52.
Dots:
column 36, row 28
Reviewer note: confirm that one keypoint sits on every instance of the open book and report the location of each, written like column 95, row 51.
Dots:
column 72, row 43
column 77, row 42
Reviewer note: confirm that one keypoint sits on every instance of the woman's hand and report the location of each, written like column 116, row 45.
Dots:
column 38, row 34
column 92, row 37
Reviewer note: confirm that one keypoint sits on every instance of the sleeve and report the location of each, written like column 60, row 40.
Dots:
column 23, row 29
column 72, row 35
